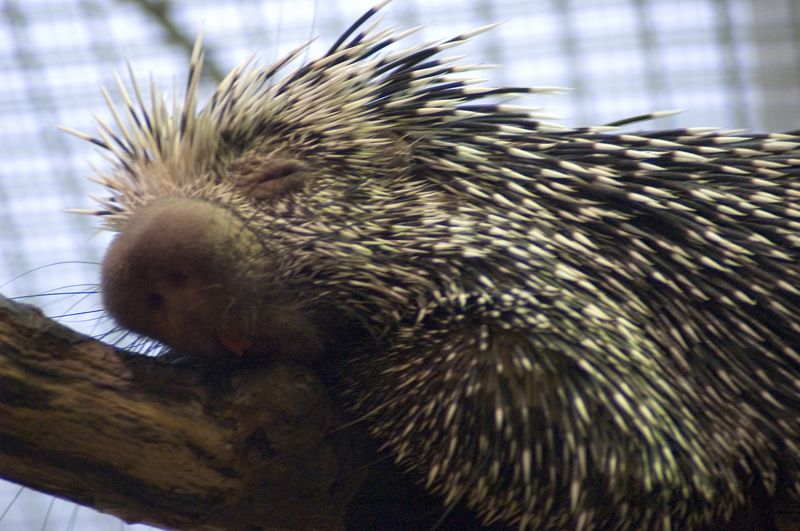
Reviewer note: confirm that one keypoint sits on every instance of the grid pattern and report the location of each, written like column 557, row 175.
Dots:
column 732, row 63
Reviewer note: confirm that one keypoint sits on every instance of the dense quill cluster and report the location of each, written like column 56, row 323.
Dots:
column 576, row 328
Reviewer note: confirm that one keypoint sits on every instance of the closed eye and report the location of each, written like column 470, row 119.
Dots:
column 262, row 177
column 278, row 170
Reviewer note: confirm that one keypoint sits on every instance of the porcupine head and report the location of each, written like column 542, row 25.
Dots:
column 375, row 190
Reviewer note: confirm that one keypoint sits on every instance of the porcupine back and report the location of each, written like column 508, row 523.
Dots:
column 573, row 327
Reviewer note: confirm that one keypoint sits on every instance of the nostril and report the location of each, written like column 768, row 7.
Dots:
column 154, row 301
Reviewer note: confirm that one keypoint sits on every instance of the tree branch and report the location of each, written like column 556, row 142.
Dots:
column 182, row 447
column 170, row 446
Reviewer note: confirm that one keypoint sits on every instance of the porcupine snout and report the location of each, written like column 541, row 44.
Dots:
column 177, row 273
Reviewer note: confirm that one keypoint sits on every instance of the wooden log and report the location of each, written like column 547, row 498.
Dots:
column 168, row 445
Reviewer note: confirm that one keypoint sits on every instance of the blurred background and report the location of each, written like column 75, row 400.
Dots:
column 729, row 63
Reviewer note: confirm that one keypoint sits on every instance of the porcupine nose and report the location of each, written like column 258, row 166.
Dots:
column 168, row 274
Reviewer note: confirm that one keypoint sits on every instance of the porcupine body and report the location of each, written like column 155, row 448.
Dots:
column 567, row 328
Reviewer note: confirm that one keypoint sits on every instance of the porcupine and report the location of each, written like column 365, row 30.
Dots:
column 563, row 327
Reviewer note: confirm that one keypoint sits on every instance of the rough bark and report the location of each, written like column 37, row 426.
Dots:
column 171, row 446
column 188, row 448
